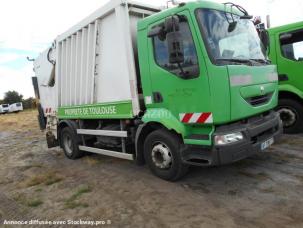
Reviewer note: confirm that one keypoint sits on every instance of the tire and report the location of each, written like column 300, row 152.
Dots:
column 70, row 144
column 162, row 154
column 291, row 113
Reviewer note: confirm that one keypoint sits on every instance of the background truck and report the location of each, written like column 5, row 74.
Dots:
column 189, row 85
column 4, row 108
column 286, row 51
column 16, row 107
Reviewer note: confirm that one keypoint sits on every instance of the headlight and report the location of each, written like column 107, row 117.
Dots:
column 228, row 138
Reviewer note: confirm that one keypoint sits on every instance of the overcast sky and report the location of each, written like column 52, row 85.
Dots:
column 28, row 27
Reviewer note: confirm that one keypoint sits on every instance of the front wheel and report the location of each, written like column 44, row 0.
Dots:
column 291, row 114
column 70, row 144
column 162, row 154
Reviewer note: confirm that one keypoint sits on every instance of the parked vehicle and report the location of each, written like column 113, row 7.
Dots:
column 16, row 107
column 4, row 108
column 286, row 51
column 189, row 85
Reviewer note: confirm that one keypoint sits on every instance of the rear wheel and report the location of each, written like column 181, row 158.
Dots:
column 291, row 114
column 161, row 151
column 70, row 144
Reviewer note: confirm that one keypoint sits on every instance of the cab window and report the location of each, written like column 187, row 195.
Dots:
column 190, row 65
column 292, row 45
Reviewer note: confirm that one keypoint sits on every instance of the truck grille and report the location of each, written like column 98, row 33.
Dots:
column 259, row 100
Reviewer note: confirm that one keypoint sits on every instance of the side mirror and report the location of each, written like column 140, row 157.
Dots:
column 169, row 30
column 171, row 24
column 174, row 40
column 175, row 47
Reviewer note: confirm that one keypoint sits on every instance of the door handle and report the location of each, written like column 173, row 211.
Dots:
column 157, row 97
column 283, row 77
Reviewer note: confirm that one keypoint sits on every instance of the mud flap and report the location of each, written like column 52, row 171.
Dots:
column 51, row 140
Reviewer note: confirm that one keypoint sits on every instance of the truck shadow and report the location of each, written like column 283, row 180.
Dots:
column 260, row 173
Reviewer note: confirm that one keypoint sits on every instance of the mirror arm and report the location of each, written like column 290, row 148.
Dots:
column 181, row 69
column 154, row 32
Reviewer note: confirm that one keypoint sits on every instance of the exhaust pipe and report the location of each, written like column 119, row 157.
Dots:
column 268, row 21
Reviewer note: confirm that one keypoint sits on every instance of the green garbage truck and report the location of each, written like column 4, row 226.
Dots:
column 170, row 88
column 286, row 51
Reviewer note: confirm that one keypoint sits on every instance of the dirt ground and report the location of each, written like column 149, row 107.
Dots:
column 39, row 183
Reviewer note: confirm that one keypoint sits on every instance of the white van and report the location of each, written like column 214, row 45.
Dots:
column 16, row 107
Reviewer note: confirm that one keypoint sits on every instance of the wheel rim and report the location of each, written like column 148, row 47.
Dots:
column 288, row 116
column 161, row 156
column 68, row 144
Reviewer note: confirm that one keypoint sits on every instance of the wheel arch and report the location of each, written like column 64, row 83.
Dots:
column 142, row 132
column 284, row 94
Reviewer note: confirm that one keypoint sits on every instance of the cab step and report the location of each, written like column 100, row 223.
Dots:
column 121, row 134
column 111, row 153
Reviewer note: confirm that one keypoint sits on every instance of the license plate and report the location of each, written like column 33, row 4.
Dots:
column 267, row 144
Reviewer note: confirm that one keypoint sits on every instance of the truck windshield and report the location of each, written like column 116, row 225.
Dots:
column 227, row 44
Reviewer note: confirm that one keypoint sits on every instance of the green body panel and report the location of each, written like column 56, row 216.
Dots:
column 250, row 91
column 260, row 75
column 293, row 69
column 210, row 92
column 167, row 119
column 115, row 110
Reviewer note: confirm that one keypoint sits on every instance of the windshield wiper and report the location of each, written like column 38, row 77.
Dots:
column 251, row 62
column 265, row 61
column 239, row 61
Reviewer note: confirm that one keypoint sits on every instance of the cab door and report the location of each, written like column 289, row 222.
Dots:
column 290, row 58
column 180, row 93
column 290, row 67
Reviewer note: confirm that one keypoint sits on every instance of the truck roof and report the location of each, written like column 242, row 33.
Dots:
column 104, row 10
column 284, row 28
column 189, row 5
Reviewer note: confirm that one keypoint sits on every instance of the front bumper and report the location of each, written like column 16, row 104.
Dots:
column 256, row 130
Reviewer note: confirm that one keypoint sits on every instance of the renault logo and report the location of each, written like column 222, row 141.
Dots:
column 262, row 90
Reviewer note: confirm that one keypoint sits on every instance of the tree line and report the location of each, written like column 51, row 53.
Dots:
column 11, row 97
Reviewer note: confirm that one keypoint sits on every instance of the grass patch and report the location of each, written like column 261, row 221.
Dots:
column 92, row 160
column 79, row 192
column 47, row 179
column 20, row 198
column 72, row 203
column 53, row 179
column 32, row 202
column 27, row 167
